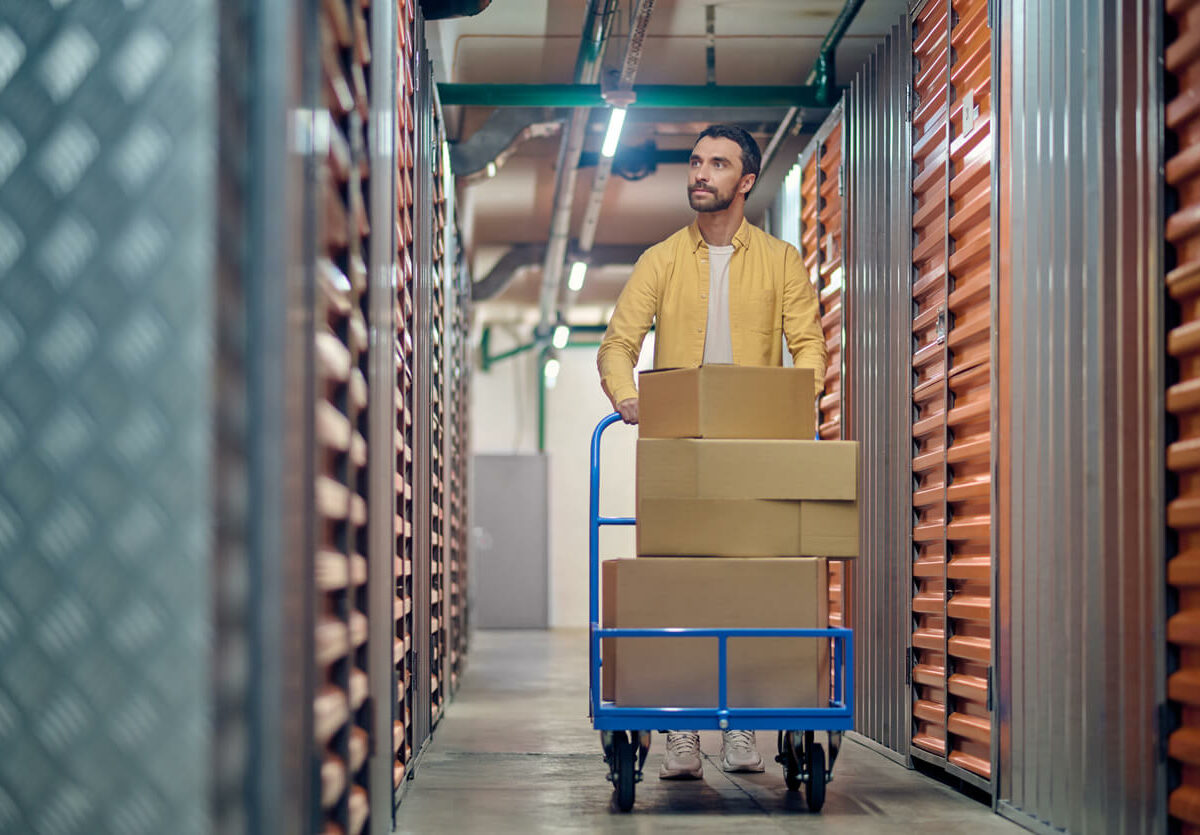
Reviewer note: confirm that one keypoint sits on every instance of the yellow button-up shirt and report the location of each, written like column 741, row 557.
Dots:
column 770, row 296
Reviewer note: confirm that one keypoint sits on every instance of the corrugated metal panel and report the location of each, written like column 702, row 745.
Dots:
column 877, row 390
column 930, row 142
column 438, row 415
column 1080, row 664
column 428, row 441
column 969, row 385
column 385, row 444
column 404, row 742
column 1183, row 686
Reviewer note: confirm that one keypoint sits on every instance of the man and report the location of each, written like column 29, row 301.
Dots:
column 717, row 291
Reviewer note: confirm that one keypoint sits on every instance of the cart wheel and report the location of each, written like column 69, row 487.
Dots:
column 623, row 773
column 814, row 786
column 791, row 763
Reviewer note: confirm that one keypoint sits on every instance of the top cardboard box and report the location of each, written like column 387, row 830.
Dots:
column 727, row 401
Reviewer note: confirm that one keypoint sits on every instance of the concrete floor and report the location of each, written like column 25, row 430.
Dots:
column 516, row 753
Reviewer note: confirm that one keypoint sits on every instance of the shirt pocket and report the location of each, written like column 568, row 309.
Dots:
column 760, row 313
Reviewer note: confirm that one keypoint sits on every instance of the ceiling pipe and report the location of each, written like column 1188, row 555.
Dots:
column 630, row 63
column 648, row 95
column 597, row 25
column 822, row 78
column 504, row 129
column 524, row 256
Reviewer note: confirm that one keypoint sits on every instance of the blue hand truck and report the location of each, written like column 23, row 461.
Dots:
column 625, row 731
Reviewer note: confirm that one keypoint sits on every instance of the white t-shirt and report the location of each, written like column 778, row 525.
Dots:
column 718, row 341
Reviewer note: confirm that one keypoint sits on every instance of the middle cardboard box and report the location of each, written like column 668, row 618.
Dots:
column 747, row 498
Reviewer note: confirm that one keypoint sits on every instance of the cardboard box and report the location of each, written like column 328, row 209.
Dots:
column 682, row 672
column 727, row 401
column 746, row 528
column 742, row 469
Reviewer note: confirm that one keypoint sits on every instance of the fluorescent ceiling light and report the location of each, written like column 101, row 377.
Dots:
column 578, row 273
column 613, row 137
column 561, row 334
column 491, row 169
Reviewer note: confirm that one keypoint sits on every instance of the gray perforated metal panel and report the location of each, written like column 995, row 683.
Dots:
column 107, row 225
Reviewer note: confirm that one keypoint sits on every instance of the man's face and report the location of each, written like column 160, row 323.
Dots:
column 715, row 175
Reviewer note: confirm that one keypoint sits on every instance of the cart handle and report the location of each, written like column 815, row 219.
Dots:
column 595, row 520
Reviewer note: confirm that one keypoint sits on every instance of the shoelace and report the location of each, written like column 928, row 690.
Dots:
column 682, row 744
column 740, row 740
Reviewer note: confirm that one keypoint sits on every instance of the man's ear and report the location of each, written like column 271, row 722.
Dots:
column 747, row 183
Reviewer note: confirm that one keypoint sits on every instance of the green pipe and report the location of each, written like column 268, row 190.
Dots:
column 648, row 95
column 487, row 359
column 824, row 73
column 541, row 387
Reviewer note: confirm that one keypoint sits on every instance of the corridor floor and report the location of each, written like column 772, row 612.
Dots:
column 516, row 753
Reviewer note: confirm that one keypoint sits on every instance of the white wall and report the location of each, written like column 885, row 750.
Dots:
column 504, row 419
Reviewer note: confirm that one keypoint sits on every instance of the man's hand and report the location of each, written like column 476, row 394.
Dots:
column 629, row 410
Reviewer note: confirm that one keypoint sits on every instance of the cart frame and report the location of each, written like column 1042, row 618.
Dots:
column 798, row 724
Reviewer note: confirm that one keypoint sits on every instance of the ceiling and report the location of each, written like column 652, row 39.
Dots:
column 766, row 42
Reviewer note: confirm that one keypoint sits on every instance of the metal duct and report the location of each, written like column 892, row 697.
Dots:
column 497, row 137
column 524, row 256
column 443, row 9
column 629, row 68
column 597, row 24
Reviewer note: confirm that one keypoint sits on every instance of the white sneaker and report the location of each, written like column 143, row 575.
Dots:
column 739, row 752
column 682, row 760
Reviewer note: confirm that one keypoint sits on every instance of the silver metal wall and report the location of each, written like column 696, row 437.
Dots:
column 1081, row 344
column 262, row 666
column 107, row 231
column 878, row 334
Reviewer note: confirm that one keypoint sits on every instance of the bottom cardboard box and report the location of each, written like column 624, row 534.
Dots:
column 707, row 592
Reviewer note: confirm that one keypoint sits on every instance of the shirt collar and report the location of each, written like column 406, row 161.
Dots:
column 741, row 238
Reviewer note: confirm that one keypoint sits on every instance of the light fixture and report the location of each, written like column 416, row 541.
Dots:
column 578, row 273
column 550, row 372
column 491, row 169
column 561, row 334
column 613, row 137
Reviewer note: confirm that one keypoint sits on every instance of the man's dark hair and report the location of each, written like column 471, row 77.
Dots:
column 751, row 155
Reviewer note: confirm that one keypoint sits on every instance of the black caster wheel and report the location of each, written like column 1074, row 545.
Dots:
column 624, row 770
column 814, row 784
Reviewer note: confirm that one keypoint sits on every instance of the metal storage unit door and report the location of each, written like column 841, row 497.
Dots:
column 821, row 249
column 969, row 381
column 929, row 158
column 404, row 647
column 952, row 386
column 342, row 719
column 829, row 288
column 1183, row 401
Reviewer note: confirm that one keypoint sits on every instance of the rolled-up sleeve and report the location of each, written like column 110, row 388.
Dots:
column 802, row 319
column 627, row 329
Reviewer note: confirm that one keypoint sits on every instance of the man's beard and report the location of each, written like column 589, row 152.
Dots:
column 717, row 205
